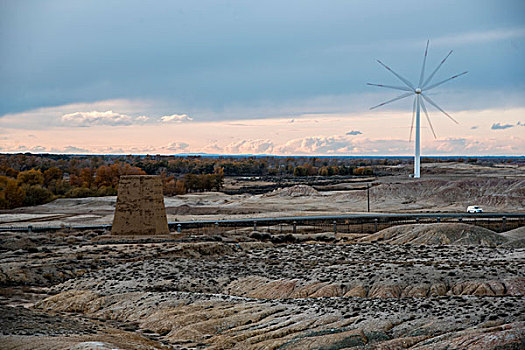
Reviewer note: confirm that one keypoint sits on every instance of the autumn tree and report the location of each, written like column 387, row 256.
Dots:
column 36, row 194
column 87, row 176
column 31, row 177
column 11, row 195
column 52, row 174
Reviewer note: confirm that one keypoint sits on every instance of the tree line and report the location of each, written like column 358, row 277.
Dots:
column 30, row 179
column 37, row 186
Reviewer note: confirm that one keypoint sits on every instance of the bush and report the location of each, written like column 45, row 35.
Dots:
column 300, row 171
column 363, row 171
column 59, row 187
column 106, row 191
column 174, row 187
column 80, row 192
column 36, row 195
column 11, row 195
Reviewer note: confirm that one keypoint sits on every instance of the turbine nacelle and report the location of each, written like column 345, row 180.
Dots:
column 417, row 91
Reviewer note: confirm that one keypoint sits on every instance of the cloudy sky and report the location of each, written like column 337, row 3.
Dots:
column 258, row 77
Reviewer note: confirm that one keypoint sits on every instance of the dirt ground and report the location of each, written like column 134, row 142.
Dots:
column 452, row 286
column 448, row 187
column 418, row 286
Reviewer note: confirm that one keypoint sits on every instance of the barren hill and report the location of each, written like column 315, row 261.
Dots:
column 437, row 234
column 492, row 193
column 85, row 290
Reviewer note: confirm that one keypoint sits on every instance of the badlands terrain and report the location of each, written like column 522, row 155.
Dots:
column 425, row 286
column 444, row 286
column 390, row 194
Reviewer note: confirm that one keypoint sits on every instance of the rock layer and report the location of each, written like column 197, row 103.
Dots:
column 233, row 291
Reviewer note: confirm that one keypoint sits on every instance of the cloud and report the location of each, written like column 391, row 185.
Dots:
column 212, row 148
column 73, row 149
column 112, row 150
column 354, row 132
column 481, row 36
column 498, row 126
column 250, row 147
column 178, row 118
column 474, row 127
column 177, row 146
column 451, row 145
column 471, row 146
column 85, row 119
column 24, row 148
column 38, row 149
column 318, row 145
column 343, row 145
column 43, row 149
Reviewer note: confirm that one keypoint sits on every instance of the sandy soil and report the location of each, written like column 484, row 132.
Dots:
column 423, row 286
column 387, row 194
column 246, row 290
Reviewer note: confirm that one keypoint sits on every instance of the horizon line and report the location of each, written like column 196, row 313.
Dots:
column 212, row 155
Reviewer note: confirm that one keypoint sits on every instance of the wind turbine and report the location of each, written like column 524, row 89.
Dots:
column 419, row 96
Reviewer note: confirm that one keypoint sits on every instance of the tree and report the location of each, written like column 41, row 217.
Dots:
column 11, row 195
column 180, row 187
column 105, row 176
column 300, row 171
column 363, row 171
column 310, row 170
column 87, row 177
column 219, row 179
column 52, row 174
column 59, row 187
column 31, row 177
column 10, row 172
column 36, row 194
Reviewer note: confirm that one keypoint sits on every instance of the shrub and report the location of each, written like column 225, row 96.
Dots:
column 106, row 191
column 59, row 187
column 36, row 194
column 80, row 192
column 300, row 171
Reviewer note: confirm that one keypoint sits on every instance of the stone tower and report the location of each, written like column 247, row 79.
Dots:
column 140, row 206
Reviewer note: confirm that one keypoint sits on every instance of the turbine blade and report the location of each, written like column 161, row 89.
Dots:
column 429, row 100
column 394, row 99
column 397, row 75
column 428, row 119
column 444, row 81
column 423, row 68
column 413, row 117
column 390, row 87
column 435, row 70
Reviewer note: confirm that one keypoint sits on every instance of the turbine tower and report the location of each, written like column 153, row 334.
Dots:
column 419, row 94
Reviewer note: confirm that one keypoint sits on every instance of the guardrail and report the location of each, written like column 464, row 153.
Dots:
column 349, row 223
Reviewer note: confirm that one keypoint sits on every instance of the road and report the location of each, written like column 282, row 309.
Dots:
column 369, row 217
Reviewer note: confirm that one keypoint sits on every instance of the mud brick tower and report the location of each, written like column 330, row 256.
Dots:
column 140, row 206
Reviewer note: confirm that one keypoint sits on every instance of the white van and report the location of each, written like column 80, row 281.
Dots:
column 474, row 209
